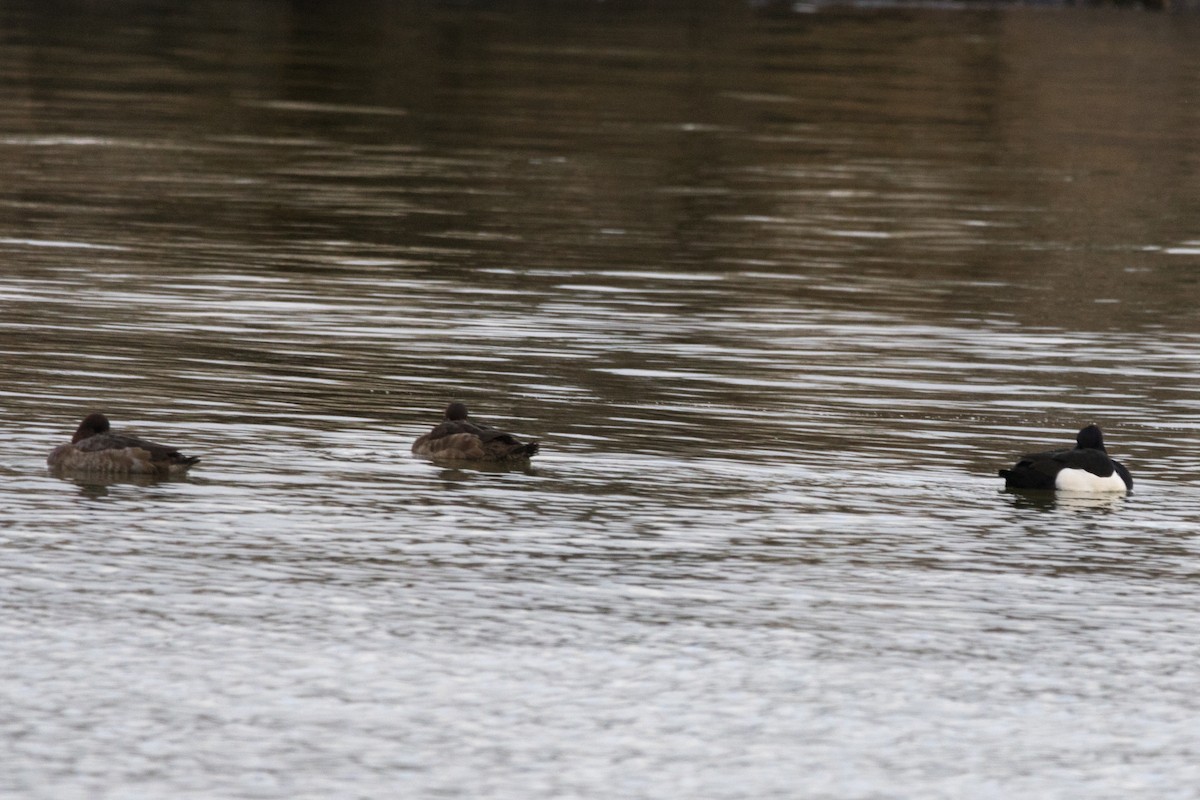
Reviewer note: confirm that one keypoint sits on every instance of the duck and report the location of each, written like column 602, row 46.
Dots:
column 458, row 438
column 1083, row 468
column 97, row 449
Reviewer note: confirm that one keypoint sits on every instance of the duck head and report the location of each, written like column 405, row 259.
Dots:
column 92, row 424
column 1090, row 438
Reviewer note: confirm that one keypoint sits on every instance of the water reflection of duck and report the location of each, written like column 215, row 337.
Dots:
column 1092, row 503
column 460, row 439
column 1084, row 468
column 97, row 449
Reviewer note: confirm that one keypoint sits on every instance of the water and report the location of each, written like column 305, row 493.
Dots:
column 778, row 291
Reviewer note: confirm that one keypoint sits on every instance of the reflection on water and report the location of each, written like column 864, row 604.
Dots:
column 1084, row 503
column 95, row 487
column 779, row 292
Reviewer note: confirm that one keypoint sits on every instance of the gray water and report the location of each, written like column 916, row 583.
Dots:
column 778, row 291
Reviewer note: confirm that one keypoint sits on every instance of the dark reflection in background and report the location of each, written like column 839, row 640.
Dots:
column 334, row 199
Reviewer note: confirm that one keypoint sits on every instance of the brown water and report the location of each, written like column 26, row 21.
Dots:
column 778, row 291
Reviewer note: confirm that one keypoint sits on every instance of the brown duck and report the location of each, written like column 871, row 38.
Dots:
column 460, row 439
column 97, row 449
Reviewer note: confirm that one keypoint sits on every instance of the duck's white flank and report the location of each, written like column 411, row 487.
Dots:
column 1080, row 480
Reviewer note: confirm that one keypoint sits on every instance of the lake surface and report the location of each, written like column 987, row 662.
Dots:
column 778, row 289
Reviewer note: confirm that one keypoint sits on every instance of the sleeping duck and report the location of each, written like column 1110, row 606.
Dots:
column 97, row 449
column 1084, row 468
column 460, row 439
